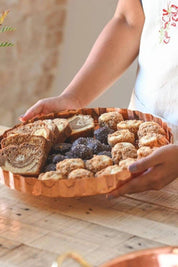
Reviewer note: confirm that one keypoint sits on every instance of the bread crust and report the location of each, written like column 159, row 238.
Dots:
column 25, row 159
column 82, row 126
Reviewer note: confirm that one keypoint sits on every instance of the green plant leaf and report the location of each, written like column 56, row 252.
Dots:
column 6, row 44
column 7, row 29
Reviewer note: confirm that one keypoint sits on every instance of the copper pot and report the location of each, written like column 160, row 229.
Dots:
column 158, row 257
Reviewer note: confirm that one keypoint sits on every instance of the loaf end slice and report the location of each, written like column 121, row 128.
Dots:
column 64, row 129
column 81, row 125
column 25, row 159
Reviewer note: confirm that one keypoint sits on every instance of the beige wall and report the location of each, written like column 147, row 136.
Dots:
column 28, row 70
column 85, row 20
column 40, row 65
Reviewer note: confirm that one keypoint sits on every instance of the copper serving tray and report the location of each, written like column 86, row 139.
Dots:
column 84, row 186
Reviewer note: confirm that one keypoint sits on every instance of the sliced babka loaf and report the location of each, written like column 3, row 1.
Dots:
column 81, row 125
column 27, row 158
column 18, row 139
column 37, row 128
column 64, row 129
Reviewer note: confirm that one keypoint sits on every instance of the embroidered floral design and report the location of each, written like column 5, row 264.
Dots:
column 169, row 19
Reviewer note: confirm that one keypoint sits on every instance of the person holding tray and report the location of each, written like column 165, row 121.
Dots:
column 148, row 29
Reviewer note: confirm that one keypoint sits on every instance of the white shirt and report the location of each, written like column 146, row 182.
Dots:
column 156, row 88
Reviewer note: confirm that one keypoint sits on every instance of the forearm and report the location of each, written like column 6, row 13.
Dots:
column 114, row 50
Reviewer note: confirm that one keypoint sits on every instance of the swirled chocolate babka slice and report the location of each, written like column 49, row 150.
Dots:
column 36, row 128
column 18, row 139
column 81, row 125
column 25, row 159
column 64, row 129
column 54, row 130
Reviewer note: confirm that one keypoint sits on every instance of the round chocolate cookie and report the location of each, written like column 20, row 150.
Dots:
column 50, row 158
column 61, row 148
column 101, row 134
column 57, row 158
column 106, row 147
column 81, row 151
column 95, row 145
column 80, row 141
column 50, row 167
column 69, row 155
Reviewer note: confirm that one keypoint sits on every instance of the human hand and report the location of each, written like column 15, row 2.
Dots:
column 49, row 105
column 152, row 172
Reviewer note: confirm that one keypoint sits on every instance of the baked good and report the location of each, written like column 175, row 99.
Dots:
column 125, row 163
column 144, row 151
column 110, row 119
column 101, row 134
column 69, row 155
column 25, row 159
column 149, row 127
column 95, row 145
column 37, row 128
column 64, row 129
column 50, row 167
column 53, row 128
column 121, row 136
column 55, row 175
column 131, row 125
column 81, row 141
column 18, row 139
column 81, row 125
column 106, row 147
column 57, row 158
column 98, row 162
column 114, row 169
column 82, row 151
column 80, row 173
column 61, row 148
column 68, row 165
column 153, row 140
column 123, row 150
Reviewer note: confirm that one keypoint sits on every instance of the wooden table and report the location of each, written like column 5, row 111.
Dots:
column 35, row 230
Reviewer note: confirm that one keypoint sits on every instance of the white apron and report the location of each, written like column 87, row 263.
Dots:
column 156, row 88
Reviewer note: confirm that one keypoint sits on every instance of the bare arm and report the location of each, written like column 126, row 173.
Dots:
column 113, row 52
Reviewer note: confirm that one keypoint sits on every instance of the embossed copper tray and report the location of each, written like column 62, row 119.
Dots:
column 84, row 186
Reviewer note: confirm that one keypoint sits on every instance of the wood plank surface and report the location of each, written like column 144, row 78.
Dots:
column 35, row 230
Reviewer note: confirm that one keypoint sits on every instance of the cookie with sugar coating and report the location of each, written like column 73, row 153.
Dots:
column 125, row 163
column 149, row 127
column 80, row 173
column 153, row 140
column 114, row 169
column 98, row 162
column 110, row 119
column 123, row 150
column 68, row 165
column 121, row 136
column 131, row 125
column 55, row 175
column 145, row 151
